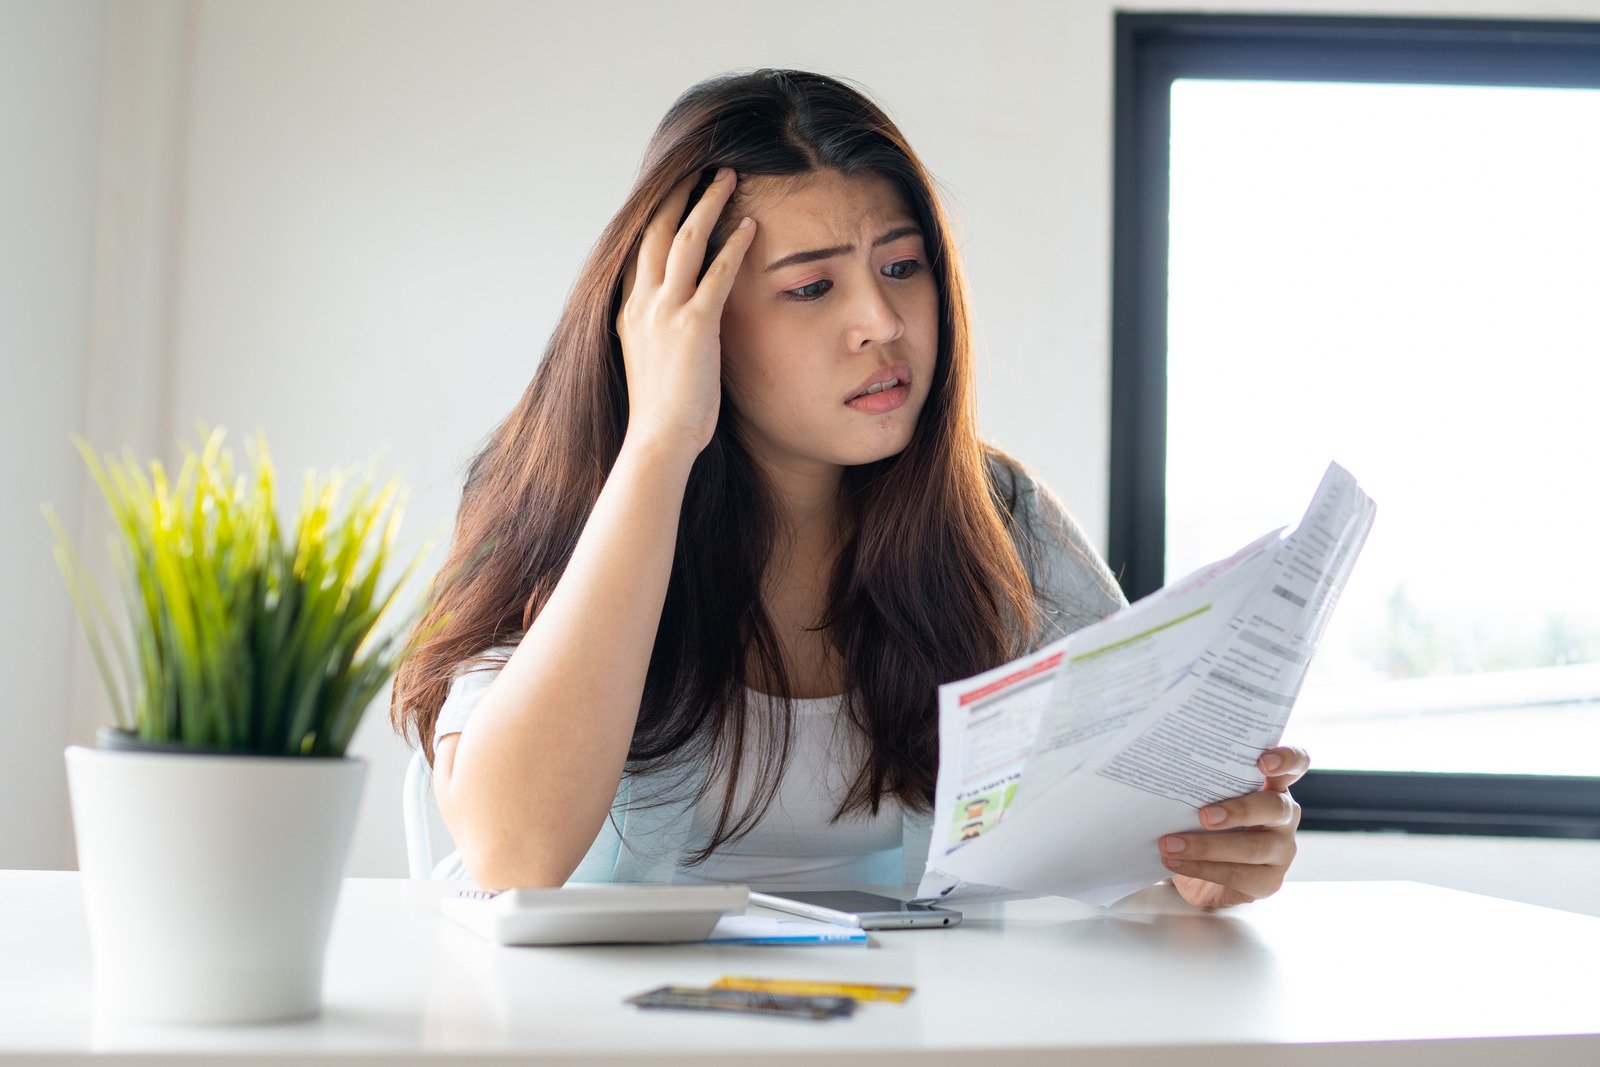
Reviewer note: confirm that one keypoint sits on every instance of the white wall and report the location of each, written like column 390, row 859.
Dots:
column 385, row 206
column 352, row 224
column 50, row 59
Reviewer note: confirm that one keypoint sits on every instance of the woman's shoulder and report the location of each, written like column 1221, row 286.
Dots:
column 1037, row 513
column 1014, row 482
column 469, row 681
column 1068, row 573
column 492, row 657
column 480, row 667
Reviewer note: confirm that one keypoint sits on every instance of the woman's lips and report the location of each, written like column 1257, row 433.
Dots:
column 878, row 403
column 898, row 372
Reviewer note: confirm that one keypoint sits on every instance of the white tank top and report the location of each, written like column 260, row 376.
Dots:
column 795, row 841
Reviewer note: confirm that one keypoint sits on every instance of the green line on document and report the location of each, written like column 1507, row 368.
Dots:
column 1201, row 610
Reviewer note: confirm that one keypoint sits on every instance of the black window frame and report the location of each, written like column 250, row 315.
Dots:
column 1152, row 50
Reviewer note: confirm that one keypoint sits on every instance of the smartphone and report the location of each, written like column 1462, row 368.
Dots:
column 866, row 910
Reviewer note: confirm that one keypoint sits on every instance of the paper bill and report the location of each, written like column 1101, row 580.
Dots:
column 1059, row 771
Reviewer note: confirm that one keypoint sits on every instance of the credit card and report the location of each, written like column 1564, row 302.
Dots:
column 692, row 998
column 804, row 987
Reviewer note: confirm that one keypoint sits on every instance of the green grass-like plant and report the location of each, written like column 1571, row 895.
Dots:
column 241, row 641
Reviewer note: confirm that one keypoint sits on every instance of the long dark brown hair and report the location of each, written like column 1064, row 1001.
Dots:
column 929, row 585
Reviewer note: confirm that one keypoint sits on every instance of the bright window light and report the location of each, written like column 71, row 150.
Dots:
column 1405, row 279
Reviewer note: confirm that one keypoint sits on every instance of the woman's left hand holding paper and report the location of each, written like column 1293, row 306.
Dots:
column 1245, row 852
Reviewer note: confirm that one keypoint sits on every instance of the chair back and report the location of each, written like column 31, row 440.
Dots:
column 415, row 797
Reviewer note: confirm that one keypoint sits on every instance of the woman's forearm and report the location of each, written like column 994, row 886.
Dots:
column 533, row 779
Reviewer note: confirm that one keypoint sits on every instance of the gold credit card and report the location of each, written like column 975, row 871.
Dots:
column 809, row 988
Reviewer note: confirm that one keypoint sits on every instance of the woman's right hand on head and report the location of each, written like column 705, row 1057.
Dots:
column 670, row 326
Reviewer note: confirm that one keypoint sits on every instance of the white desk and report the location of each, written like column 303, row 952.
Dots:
column 1374, row 973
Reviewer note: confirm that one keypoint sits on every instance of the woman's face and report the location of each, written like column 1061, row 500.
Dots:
column 805, row 335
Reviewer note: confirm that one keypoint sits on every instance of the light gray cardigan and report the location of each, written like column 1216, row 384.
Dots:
column 645, row 842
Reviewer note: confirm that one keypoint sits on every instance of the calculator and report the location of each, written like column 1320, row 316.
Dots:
column 595, row 914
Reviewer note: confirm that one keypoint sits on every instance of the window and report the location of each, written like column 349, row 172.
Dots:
column 1371, row 240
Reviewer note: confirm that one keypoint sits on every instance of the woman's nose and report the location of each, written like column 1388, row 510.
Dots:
column 874, row 320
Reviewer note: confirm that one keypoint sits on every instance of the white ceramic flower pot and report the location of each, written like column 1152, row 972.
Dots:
column 210, row 881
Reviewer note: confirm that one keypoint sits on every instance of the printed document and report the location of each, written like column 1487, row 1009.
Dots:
column 1059, row 771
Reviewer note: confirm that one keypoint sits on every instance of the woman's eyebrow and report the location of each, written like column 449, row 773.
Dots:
column 839, row 250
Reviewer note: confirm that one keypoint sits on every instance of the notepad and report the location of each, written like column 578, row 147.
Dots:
column 765, row 930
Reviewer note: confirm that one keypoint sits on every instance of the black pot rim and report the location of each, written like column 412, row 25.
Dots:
column 115, row 738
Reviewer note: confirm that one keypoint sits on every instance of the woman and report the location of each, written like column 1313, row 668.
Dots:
column 708, row 574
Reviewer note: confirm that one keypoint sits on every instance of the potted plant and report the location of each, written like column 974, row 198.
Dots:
column 213, row 821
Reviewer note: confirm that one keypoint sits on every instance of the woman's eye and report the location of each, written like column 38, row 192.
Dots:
column 805, row 292
column 912, row 265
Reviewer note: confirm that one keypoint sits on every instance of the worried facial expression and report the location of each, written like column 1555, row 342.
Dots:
column 831, row 330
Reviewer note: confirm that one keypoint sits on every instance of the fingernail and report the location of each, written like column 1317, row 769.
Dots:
column 1271, row 762
column 722, row 175
column 1174, row 865
column 1172, row 844
column 744, row 223
column 1213, row 815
